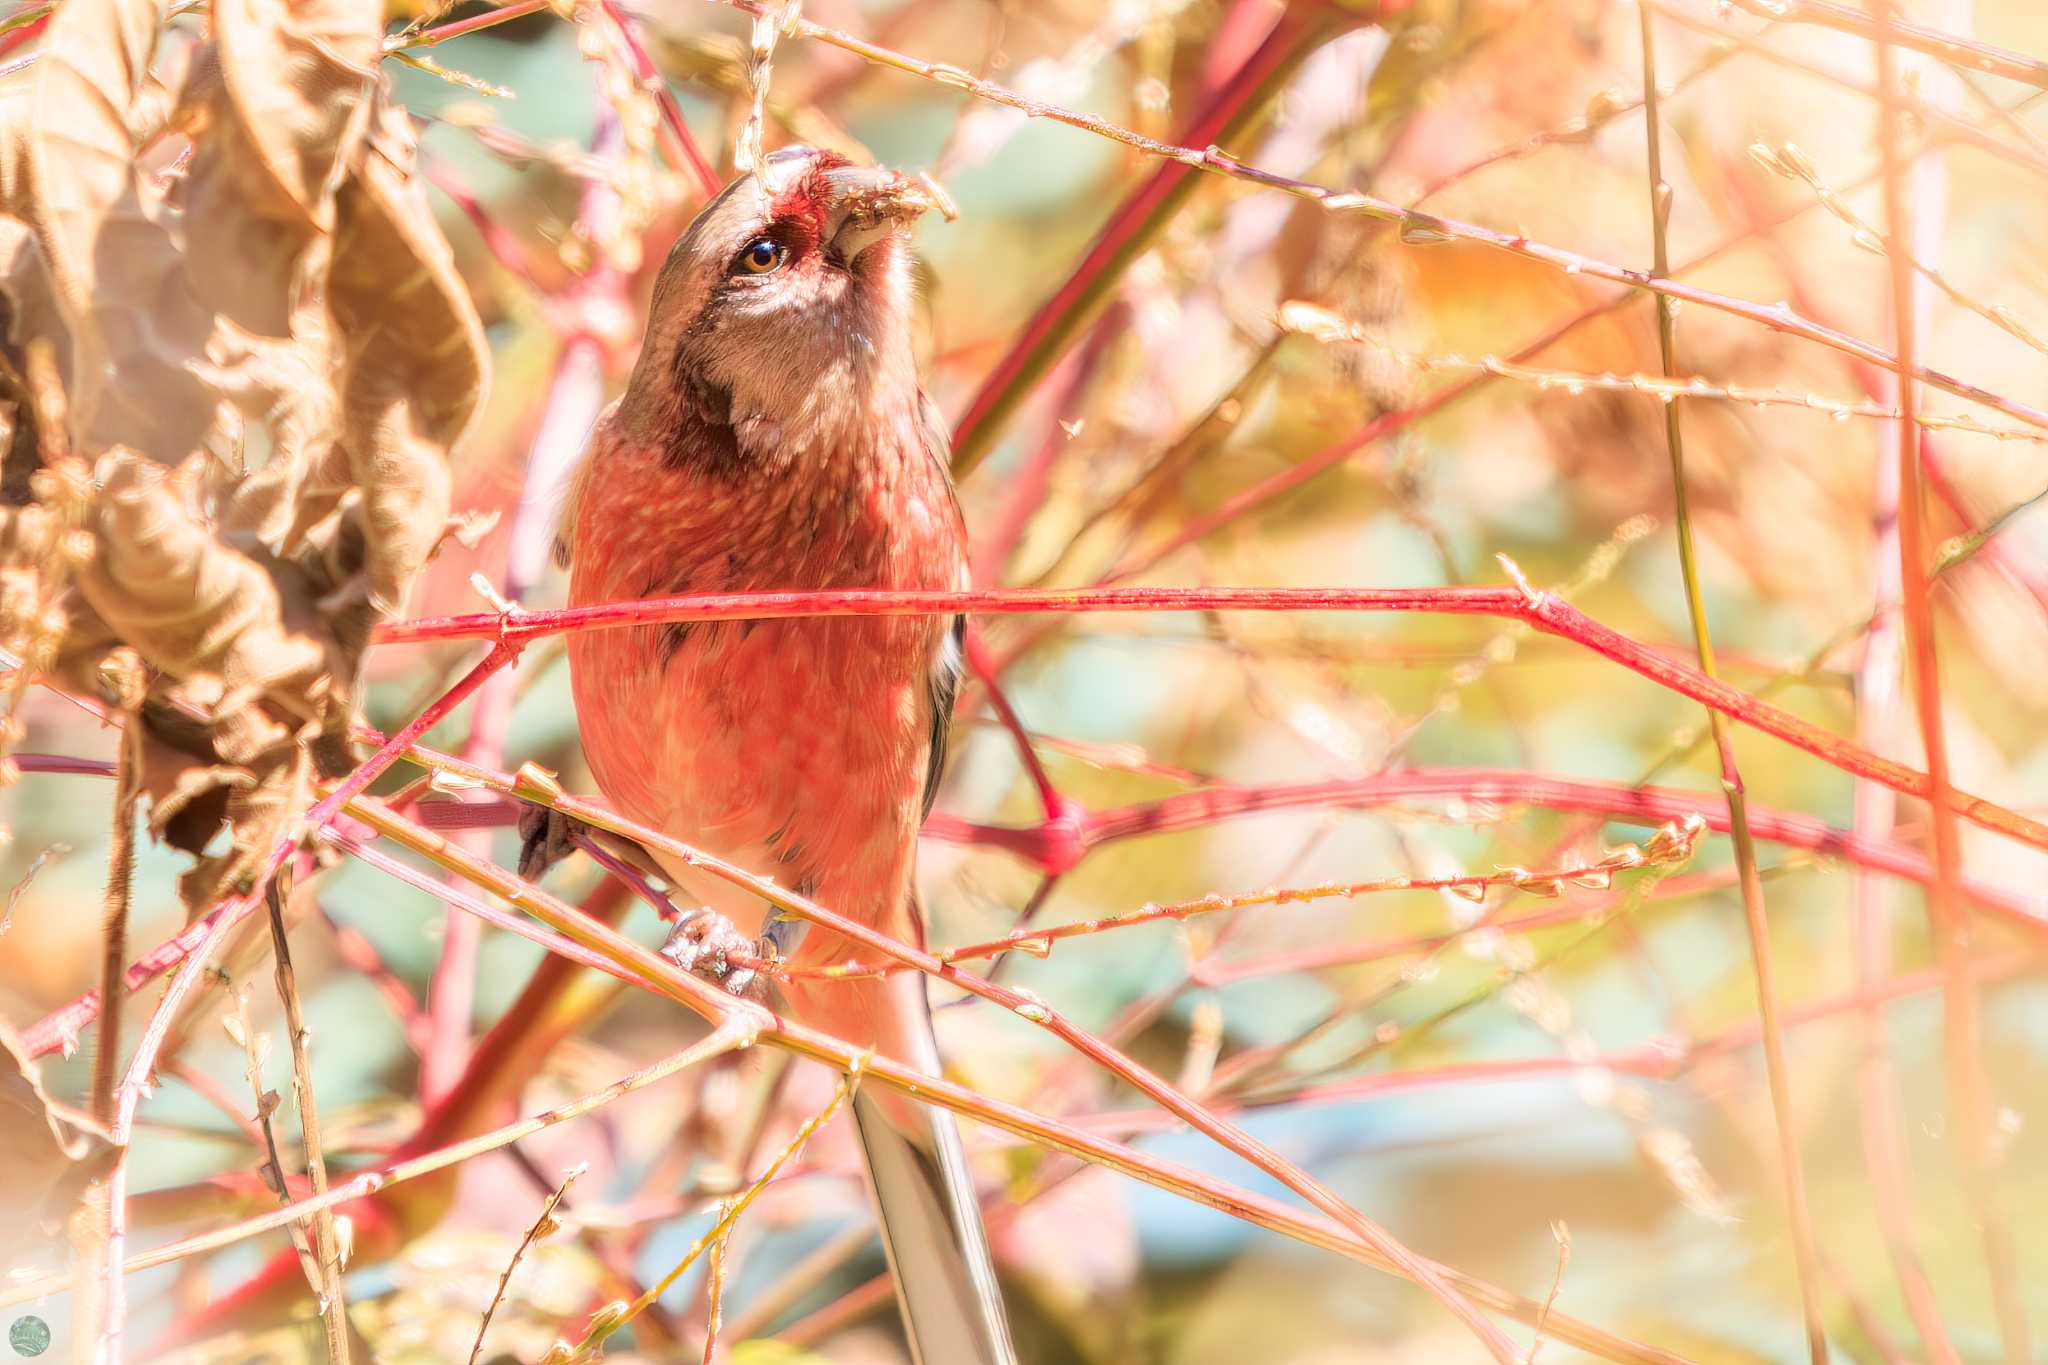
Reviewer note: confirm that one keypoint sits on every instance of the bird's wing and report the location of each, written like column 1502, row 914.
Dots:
column 944, row 682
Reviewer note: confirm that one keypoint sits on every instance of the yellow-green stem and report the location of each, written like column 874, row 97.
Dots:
column 1799, row 1214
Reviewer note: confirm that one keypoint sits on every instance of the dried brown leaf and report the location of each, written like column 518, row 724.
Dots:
column 268, row 383
column 187, row 603
column 137, row 336
column 283, row 98
column 416, row 362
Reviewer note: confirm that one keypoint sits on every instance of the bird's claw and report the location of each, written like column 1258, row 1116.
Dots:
column 704, row 942
column 546, row 836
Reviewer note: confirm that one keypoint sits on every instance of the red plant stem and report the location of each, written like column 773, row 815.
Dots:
column 1131, row 228
column 1640, row 805
column 1875, row 815
column 682, row 144
column 768, row 606
column 1055, row 806
column 15, row 38
column 1970, row 1102
column 504, row 15
column 1542, row 610
column 1883, row 29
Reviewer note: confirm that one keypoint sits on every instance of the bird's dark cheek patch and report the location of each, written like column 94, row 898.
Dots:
column 702, row 437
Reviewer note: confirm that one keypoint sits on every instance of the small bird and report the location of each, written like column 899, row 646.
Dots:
column 774, row 435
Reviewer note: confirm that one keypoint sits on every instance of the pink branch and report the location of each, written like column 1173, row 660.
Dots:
column 1542, row 610
column 1641, row 805
column 490, row 19
column 1970, row 1102
column 683, row 144
column 1059, row 811
column 1882, row 28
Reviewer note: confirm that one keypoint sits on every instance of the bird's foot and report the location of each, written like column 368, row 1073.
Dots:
column 706, row 943
column 546, row 836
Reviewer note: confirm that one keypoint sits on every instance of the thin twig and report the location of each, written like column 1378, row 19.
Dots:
column 1792, row 1169
column 714, row 1278
column 1885, row 30
column 1670, row 847
column 241, row 1027
column 1544, row 611
column 1311, row 320
column 326, row 1245
column 1970, row 1101
column 1875, row 815
column 543, row 1227
column 1562, row 1235
column 728, row 1215
column 106, row 1057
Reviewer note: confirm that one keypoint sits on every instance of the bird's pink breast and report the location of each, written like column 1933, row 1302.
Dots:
column 796, row 748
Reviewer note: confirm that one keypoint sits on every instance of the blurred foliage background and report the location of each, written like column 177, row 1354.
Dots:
column 1182, row 392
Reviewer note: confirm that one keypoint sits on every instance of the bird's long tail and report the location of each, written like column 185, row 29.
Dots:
column 930, row 1219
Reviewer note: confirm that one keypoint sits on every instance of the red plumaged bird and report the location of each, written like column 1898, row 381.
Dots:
column 774, row 435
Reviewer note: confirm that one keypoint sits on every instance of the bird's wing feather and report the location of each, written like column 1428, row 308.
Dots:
column 946, row 669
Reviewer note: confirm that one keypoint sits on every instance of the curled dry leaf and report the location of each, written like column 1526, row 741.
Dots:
column 136, row 336
column 265, row 359
column 279, row 105
column 213, row 624
column 416, row 357
column 188, row 603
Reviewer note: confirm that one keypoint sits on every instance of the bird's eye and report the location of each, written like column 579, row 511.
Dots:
column 762, row 256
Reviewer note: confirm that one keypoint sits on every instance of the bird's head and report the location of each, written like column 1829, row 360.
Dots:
column 783, row 313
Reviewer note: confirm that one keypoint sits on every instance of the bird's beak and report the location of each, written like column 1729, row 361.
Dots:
column 865, row 204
